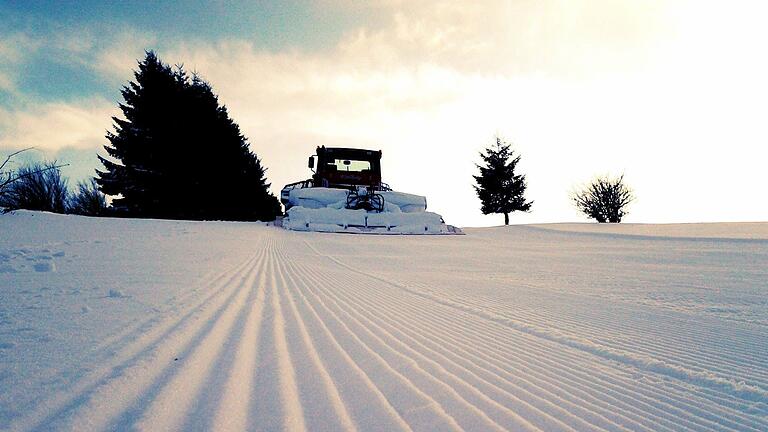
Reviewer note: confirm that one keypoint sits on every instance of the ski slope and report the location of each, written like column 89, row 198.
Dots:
column 109, row 324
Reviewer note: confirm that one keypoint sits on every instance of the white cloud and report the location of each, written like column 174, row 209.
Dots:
column 553, row 38
column 117, row 61
column 13, row 50
column 6, row 82
column 14, row 46
column 110, row 51
column 50, row 127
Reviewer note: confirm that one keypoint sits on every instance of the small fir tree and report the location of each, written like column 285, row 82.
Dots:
column 501, row 190
column 178, row 154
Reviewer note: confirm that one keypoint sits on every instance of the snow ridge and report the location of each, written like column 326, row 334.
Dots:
column 736, row 388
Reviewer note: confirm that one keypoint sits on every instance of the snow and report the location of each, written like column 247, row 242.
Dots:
column 345, row 220
column 320, row 197
column 169, row 325
column 324, row 210
column 723, row 230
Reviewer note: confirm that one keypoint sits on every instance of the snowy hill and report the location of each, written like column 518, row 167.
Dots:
column 110, row 324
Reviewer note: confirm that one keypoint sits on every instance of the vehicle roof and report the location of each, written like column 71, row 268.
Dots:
column 349, row 152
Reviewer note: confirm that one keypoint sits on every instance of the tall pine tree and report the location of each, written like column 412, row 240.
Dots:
column 178, row 154
column 501, row 190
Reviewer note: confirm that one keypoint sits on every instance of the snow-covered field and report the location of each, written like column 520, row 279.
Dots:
column 110, row 324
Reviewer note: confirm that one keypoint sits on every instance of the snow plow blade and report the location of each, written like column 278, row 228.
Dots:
column 363, row 222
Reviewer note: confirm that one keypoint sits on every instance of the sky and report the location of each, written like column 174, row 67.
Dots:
column 670, row 93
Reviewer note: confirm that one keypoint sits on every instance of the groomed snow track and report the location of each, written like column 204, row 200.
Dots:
column 537, row 330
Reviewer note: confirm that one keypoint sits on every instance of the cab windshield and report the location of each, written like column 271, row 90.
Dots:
column 350, row 165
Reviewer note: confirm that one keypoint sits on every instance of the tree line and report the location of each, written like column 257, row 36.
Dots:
column 502, row 190
column 40, row 186
column 177, row 154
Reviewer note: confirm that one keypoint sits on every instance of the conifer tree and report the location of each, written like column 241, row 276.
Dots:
column 178, row 154
column 501, row 190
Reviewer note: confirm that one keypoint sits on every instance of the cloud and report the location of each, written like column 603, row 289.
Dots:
column 544, row 37
column 116, row 61
column 110, row 52
column 14, row 47
column 14, row 50
column 6, row 82
column 50, row 127
column 77, row 124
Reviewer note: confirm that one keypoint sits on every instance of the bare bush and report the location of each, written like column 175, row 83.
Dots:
column 36, row 186
column 6, row 175
column 88, row 200
column 605, row 199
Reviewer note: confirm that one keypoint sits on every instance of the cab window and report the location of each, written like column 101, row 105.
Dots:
column 351, row 165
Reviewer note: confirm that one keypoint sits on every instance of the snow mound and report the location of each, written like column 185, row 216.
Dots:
column 44, row 266
column 29, row 259
column 324, row 210
column 345, row 220
column 721, row 230
column 320, row 197
column 116, row 293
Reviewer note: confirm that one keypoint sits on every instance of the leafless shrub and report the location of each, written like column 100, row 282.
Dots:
column 36, row 186
column 88, row 200
column 605, row 199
